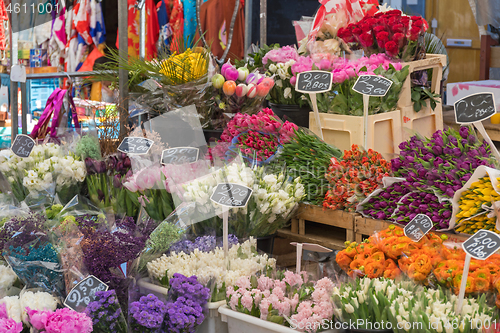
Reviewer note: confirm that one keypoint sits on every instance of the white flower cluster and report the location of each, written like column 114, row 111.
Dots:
column 243, row 261
column 46, row 165
column 16, row 305
column 283, row 71
column 7, row 277
column 408, row 302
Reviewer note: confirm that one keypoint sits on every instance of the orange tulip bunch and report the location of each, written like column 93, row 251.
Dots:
column 390, row 253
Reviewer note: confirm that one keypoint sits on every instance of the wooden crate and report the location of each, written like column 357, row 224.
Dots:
column 425, row 122
column 436, row 62
column 367, row 227
column 384, row 131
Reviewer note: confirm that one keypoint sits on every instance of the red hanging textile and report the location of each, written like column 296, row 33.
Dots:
column 4, row 24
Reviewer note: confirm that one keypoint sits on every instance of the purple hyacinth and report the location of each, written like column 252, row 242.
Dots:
column 202, row 244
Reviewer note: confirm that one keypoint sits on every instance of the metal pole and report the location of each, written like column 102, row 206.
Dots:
column 13, row 85
column 263, row 22
column 123, row 74
column 248, row 25
column 142, row 36
column 24, row 101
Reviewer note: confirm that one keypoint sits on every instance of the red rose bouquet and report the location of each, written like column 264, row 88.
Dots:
column 397, row 35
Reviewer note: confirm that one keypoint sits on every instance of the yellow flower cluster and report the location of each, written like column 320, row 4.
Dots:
column 472, row 216
column 185, row 67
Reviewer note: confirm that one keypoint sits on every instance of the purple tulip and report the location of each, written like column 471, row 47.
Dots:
column 464, row 132
column 100, row 167
column 381, row 216
column 449, row 192
column 457, row 152
column 127, row 164
column 447, row 214
column 437, row 150
column 117, row 182
column 482, row 151
column 453, row 140
column 472, row 139
column 464, row 142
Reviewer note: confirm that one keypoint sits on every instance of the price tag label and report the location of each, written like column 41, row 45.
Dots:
column 23, row 145
column 180, row 155
column 134, row 145
column 231, row 195
column 418, row 227
column 372, row 85
column 84, row 293
column 475, row 108
column 482, row 244
column 314, row 82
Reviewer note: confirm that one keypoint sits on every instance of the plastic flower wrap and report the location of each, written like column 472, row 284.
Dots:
column 257, row 137
column 288, row 300
column 405, row 307
column 354, row 177
column 209, row 267
column 32, row 256
column 47, row 168
column 7, row 279
column 106, row 313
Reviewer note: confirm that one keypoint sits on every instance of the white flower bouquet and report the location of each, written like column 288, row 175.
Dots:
column 406, row 307
column 274, row 198
column 209, row 269
column 47, row 168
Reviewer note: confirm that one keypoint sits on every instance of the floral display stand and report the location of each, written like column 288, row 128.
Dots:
column 366, row 227
column 238, row 322
column 426, row 121
column 384, row 130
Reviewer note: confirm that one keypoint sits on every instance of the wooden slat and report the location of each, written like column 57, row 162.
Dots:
column 495, row 56
column 316, row 236
column 336, row 218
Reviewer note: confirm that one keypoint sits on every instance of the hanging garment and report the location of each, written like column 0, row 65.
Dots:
column 215, row 17
column 177, row 24
column 4, row 19
column 82, row 20
column 58, row 39
column 97, row 27
column 165, row 30
column 189, row 22
column 152, row 29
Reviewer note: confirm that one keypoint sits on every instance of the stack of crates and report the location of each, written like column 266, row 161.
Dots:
column 39, row 92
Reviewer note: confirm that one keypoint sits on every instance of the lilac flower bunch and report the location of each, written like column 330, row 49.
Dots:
column 443, row 163
column 106, row 313
column 385, row 203
column 202, row 244
column 187, row 298
column 427, row 204
column 147, row 315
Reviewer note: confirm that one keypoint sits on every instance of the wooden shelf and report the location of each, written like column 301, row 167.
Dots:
column 330, row 237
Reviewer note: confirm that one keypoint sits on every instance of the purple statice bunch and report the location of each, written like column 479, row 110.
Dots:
column 147, row 315
column 443, row 163
column 424, row 203
column 202, row 244
column 106, row 313
column 26, row 227
column 187, row 298
column 383, row 205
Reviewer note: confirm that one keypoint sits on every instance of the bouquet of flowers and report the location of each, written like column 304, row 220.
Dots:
column 7, row 324
column 352, row 179
column 46, row 169
column 61, row 320
column 256, row 137
column 104, row 183
column 106, row 313
column 209, row 267
column 7, row 279
column 306, row 304
column 147, row 314
column 389, row 32
column 237, row 90
column 271, row 204
column 405, row 307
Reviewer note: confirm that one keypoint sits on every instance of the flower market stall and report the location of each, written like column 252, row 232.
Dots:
column 170, row 226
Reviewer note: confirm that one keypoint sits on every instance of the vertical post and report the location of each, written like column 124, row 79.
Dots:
column 142, row 37
column 123, row 74
column 24, row 112
column 13, row 85
column 263, row 22
column 248, row 25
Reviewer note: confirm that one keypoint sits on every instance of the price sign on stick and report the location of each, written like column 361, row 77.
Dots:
column 307, row 247
column 84, row 293
column 312, row 83
column 180, row 155
column 134, row 145
column 479, row 246
column 418, row 227
column 230, row 195
column 23, row 145
column 475, row 108
column 370, row 85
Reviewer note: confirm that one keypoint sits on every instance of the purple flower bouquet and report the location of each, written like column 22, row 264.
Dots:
column 106, row 313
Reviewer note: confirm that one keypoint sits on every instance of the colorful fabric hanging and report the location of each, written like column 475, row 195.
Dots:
column 58, row 39
column 189, row 21
column 177, row 24
column 3, row 18
column 165, row 30
column 97, row 27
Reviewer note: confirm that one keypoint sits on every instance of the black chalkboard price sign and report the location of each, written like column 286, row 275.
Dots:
column 23, row 145
column 84, row 293
column 314, row 82
column 475, row 108
column 180, row 155
column 372, row 85
column 231, row 195
column 482, row 244
column 134, row 145
column 418, row 227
